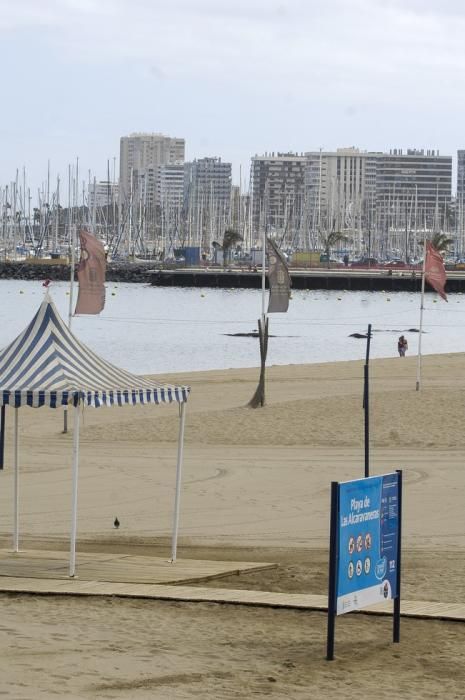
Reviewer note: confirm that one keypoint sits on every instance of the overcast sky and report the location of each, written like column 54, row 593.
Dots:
column 233, row 77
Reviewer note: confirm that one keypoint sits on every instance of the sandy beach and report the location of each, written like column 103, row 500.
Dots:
column 256, row 487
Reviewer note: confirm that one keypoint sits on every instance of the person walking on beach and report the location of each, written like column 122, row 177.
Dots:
column 402, row 346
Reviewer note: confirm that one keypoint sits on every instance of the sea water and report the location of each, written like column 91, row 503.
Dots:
column 158, row 330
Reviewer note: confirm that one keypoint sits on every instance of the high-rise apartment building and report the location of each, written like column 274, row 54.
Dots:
column 278, row 184
column 170, row 184
column 340, row 188
column 102, row 194
column 413, row 188
column 207, row 192
column 460, row 175
column 207, row 183
column 140, row 152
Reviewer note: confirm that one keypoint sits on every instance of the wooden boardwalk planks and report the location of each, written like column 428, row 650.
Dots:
column 125, row 576
column 123, row 568
column 184, row 593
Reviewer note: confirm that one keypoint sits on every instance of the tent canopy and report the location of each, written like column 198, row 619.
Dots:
column 46, row 365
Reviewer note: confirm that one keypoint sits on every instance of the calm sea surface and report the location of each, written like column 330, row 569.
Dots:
column 147, row 329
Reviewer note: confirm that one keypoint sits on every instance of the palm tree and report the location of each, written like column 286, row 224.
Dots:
column 441, row 242
column 330, row 240
column 230, row 238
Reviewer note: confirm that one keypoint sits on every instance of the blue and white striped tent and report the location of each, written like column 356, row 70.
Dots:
column 48, row 366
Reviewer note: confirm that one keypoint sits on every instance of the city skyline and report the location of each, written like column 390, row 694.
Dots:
column 234, row 79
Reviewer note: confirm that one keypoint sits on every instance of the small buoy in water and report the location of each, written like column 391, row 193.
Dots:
column 113, row 294
column 202, row 295
column 67, row 294
column 21, row 291
column 388, row 299
column 339, row 299
column 116, row 523
column 435, row 301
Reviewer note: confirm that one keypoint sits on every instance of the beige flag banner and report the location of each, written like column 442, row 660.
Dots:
column 279, row 280
column 91, row 275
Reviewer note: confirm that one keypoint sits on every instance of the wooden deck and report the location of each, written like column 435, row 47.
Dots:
column 118, row 568
column 125, row 576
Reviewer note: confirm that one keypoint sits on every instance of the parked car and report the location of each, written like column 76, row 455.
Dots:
column 365, row 262
column 396, row 264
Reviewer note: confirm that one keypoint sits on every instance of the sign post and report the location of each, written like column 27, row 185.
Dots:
column 366, row 403
column 365, row 548
column 332, row 591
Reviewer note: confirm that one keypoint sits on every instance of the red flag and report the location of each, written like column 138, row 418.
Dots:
column 435, row 272
column 91, row 275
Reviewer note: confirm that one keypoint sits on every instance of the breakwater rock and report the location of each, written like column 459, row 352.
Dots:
column 116, row 272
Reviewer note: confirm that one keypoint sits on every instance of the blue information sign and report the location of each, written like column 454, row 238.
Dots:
column 367, row 542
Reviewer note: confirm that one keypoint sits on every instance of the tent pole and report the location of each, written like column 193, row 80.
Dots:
column 2, row 436
column 16, row 485
column 174, row 541
column 72, row 554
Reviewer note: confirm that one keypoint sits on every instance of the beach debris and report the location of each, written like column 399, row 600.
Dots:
column 116, row 523
column 252, row 334
column 386, row 330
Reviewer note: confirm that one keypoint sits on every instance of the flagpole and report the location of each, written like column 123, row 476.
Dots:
column 421, row 317
column 263, row 274
column 70, row 310
column 71, row 276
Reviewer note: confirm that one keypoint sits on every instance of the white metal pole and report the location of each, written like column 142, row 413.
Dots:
column 177, row 500
column 263, row 276
column 16, row 485
column 71, row 275
column 421, row 318
column 70, row 310
column 72, row 555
